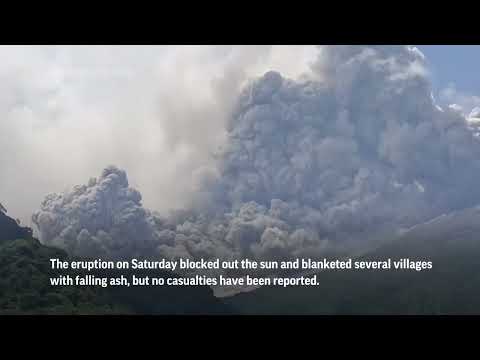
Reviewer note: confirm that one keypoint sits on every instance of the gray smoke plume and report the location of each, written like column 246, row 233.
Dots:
column 354, row 152
column 98, row 219
column 68, row 111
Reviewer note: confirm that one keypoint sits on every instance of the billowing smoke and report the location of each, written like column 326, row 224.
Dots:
column 98, row 219
column 351, row 153
column 68, row 111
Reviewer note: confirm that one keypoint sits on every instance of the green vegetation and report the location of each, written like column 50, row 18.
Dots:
column 25, row 286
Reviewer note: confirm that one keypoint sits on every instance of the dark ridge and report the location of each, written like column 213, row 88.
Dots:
column 10, row 229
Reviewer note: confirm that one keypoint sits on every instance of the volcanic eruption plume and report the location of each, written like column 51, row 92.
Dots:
column 353, row 151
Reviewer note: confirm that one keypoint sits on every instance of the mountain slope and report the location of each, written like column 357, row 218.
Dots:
column 9, row 229
column 451, row 242
column 25, row 286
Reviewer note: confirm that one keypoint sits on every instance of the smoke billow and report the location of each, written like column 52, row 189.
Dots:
column 98, row 219
column 157, row 112
column 353, row 152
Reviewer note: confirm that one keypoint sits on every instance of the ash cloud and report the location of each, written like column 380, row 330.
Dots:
column 354, row 152
column 98, row 219
column 156, row 111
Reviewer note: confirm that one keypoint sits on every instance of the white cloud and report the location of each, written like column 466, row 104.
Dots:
column 461, row 101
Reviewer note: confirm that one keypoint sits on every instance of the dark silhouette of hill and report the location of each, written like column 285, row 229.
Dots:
column 9, row 229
